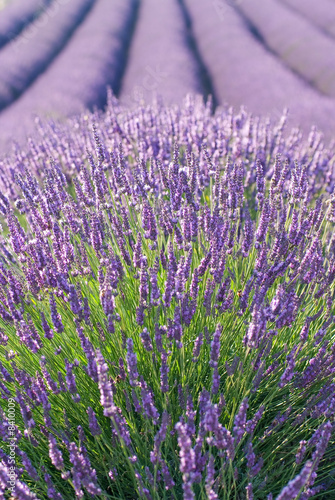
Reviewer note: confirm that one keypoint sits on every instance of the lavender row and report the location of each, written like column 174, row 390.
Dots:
column 301, row 46
column 68, row 86
column 321, row 14
column 166, row 308
column 243, row 72
column 168, row 67
column 241, row 138
column 34, row 50
column 17, row 15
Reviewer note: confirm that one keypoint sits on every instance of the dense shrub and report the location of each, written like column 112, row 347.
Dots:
column 166, row 309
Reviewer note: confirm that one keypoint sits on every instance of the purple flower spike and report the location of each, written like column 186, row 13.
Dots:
column 292, row 489
column 146, row 340
column 288, row 373
column 140, row 314
column 215, row 346
column 137, row 256
column 155, row 455
column 55, row 316
column 250, row 495
column 155, row 292
column 48, row 333
column 187, row 460
column 263, row 223
column 194, row 288
column 168, row 481
column 204, row 264
column 93, row 423
column 82, row 472
column 22, row 492
column 70, row 378
column 321, row 445
column 149, row 408
column 301, row 452
column 74, row 300
column 240, row 421
column 197, row 346
column 30, row 469
column 52, row 493
column 132, row 363
column 106, row 395
column 120, row 427
column 211, row 495
column 55, row 454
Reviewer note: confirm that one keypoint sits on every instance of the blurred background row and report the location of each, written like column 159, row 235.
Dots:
column 58, row 56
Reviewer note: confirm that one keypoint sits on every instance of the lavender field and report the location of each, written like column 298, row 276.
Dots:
column 58, row 56
column 167, row 249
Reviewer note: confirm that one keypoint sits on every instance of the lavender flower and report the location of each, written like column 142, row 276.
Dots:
column 93, row 423
column 288, row 373
column 215, row 346
column 187, row 460
column 264, row 222
column 146, row 340
column 204, row 264
column 240, row 420
column 74, row 301
column 55, row 316
column 155, row 455
column 48, row 333
column 301, row 452
column 295, row 485
column 30, row 469
column 82, row 472
column 52, row 493
column 106, row 395
column 197, row 346
column 70, row 378
column 148, row 405
column 132, row 363
column 249, row 491
column 137, row 255
column 210, row 479
column 155, row 293
column 119, row 239
column 55, row 454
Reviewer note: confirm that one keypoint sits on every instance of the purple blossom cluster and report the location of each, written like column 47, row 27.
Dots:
column 166, row 309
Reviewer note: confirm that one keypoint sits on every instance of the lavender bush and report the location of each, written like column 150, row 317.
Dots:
column 167, row 277
column 302, row 46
